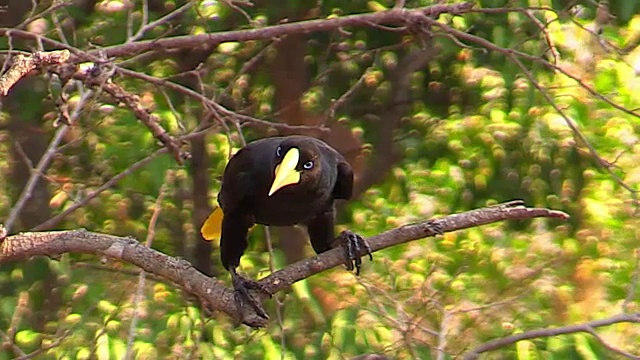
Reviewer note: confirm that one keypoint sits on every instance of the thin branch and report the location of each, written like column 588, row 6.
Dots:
column 610, row 347
column 43, row 349
column 248, row 66
column 279, row 302
column 10, row 342
column 214, row 106
column 43, row 164
column 238, row 9
column 539, row 333
column 139, row 296
column 511, row 53
column 108, row 184
column 547, row 38
column 55, row 6
column 395, row 16
column 633, row 284
column 442, row 336
column 161, row 21
column 574, row 128
column 35, row 176
column 132, row 101
column 93, row 194
column 515, row 56
column 342, row 100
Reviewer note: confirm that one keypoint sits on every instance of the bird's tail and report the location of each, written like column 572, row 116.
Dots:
column 212, row 227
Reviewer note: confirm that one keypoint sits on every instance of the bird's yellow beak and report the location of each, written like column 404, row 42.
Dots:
column 286, row 173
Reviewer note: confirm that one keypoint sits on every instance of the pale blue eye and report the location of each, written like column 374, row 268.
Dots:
column 308, row 165
column 279, row 151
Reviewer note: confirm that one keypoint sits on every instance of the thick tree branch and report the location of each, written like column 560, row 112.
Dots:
column 212, row 291
column 22, row 65
column 395, row 16
column 507, row 211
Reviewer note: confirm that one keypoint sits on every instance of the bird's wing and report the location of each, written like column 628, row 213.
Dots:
column 320, row 229
column 236, row 186
column 344, row 181
column 343, row 187
column 236, row 181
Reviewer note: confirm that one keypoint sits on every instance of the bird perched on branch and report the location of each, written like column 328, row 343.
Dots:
column 281, row 181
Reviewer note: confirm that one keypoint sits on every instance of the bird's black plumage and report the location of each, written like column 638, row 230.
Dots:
column 244, row 196
column 281, row 181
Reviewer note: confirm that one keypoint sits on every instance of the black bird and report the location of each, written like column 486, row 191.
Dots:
column 281, row 181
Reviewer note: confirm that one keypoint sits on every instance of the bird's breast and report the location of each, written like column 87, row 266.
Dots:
column 289, row 208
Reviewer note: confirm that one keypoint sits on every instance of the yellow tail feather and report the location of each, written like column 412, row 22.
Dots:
column 212, row 227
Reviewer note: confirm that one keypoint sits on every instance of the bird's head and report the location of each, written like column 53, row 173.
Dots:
column 297, row 162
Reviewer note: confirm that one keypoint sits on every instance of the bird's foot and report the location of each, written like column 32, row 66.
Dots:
column 355, row 246
column 242, row 285
column 435, row 227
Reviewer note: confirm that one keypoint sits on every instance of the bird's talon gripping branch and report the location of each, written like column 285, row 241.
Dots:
column 436, row 226
column 355, row 246
column 512, row 203
column 241, row 285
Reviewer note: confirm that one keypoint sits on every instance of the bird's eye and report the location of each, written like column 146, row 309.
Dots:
column 279, row 151
column 308, row 165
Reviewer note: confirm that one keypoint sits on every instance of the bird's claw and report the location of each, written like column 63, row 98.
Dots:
column 242, row 285
column 436, row 227
column 355, row 246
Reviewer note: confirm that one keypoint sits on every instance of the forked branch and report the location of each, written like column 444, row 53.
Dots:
column 211, row 290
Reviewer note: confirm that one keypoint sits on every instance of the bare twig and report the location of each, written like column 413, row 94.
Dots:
column 279, row 302
column 337, row 103
column 161, row 21
column 221, row 110
column 442, row 335
column 132, row 101
column 539, row 333
column 394, row 16
column 547, row 38
column 9, row 342
column 516, row 57
column 43, row 349
column 16, row 319
column 151, row 232
column 610, row 347
column 33, row 16
column 633, row 285
column 93, row 194
column 43, row 164
column 109, row 183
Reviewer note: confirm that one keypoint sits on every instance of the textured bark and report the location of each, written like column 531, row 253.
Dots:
column 210, row 290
